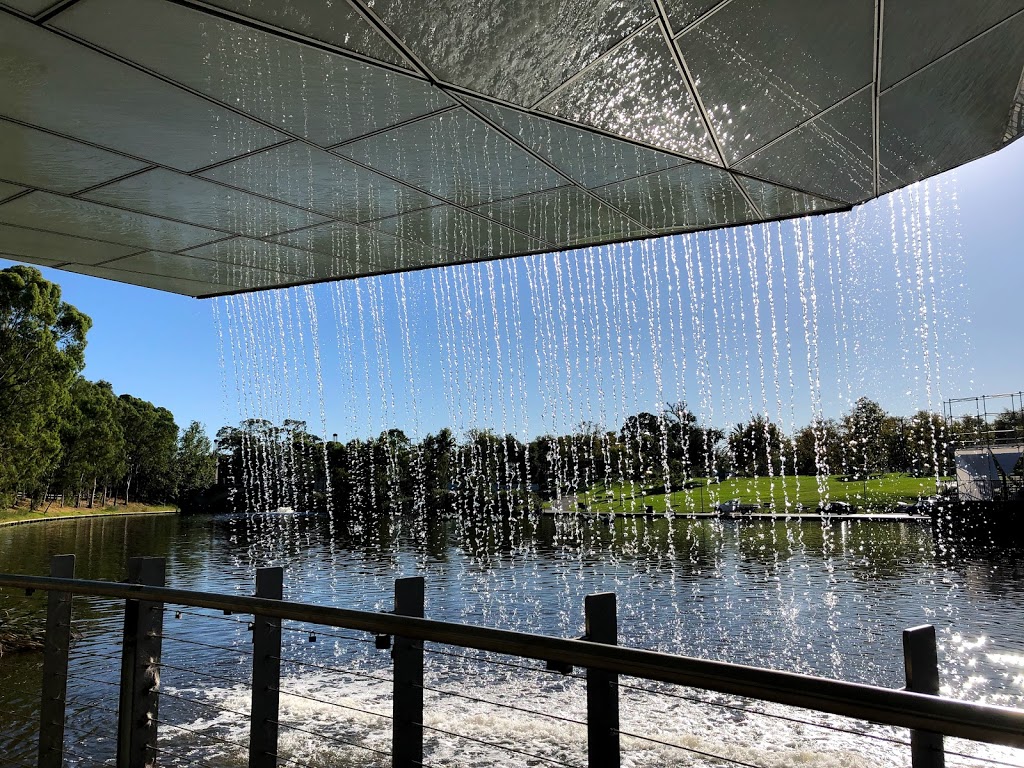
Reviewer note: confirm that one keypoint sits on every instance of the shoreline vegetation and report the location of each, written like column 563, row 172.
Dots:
column 23, row 514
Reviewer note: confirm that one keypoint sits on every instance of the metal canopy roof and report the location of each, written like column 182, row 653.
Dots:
column 212, row 147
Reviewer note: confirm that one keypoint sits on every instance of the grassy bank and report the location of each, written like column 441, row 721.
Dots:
column 883, row 492
column 23, row 513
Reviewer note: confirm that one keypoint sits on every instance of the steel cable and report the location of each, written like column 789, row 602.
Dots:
column 318, row 633
column 986, row 760
column 202, row 734
column 708, row 755
column 332, row 703
column 503, row 705
column 213, row 616
column 217, row 707
column 334, row 739
column 80, row 756
column 496, row 662
column 745, row 710
column 501, row 747
column 337, row 670
column 211, row 675
column 91, row 705
column 236, row 649
column 191, row 760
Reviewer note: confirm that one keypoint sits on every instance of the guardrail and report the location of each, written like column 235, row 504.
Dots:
column 918, row 708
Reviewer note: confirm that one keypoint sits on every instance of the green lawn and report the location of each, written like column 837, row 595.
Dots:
column 19, row 514
column 879, row 493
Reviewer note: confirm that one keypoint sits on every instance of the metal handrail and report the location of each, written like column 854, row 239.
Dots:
column 904, row 709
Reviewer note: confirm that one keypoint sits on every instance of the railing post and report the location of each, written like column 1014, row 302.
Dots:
column 921, row 661
column 407, row 733
column 602, row 687
column 266, row 674
column 55, row 667
column 140, row 668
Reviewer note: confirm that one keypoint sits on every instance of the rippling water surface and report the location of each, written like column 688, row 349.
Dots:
column 826, row 600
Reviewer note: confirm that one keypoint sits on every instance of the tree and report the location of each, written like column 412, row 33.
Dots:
column 818, row 448
column 196, row 465
column 756, row 448
column 930, row 445
column 42, row 345
column 92, row 440
column 864, row 437
column 151, row 447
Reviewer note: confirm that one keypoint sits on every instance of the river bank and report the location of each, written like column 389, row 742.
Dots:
column 20, row 515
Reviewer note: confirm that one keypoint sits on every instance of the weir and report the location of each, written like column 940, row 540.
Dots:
column 144, row 737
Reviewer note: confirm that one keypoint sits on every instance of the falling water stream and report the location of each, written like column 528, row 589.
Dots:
column 789, row 322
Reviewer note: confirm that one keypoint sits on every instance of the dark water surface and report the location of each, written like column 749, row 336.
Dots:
column 800, row 596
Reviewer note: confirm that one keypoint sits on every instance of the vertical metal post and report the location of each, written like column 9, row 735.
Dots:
column 266, row 674
column 55, row 667
column 922, row 667
column 602, row 687
column 407, row 733
column 140, row 668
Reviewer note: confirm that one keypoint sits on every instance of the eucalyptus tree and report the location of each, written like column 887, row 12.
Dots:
column 42, row 346
column 151, row 446
column 92, row 441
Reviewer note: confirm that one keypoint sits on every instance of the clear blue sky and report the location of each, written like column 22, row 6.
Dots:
column 165, row 348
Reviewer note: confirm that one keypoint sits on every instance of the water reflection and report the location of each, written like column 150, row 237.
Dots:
column 824, row 599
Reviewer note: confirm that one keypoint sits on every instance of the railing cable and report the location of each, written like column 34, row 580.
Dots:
column 198, row 673
column 206, row 704
column 748, row 711
column 331, row 703
column 201, row 734
column 503, row 705
column 334, row 739
column 191, row 760
column 176, row 639
column 500, row 663
column 319, row 633
column 709, row 755
column 336, row 670
column 502, row 747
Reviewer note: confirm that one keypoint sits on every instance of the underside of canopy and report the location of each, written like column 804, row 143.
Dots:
column 213, row 147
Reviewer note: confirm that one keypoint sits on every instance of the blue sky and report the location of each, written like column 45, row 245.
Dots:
column 481, row 366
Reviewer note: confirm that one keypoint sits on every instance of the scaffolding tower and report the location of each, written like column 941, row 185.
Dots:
column 988, row 435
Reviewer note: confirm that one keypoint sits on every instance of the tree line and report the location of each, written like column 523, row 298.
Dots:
column 268, row 466
column 62, row 436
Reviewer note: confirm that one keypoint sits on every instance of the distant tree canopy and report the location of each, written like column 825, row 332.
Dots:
column 64, row 436
column 269, row 466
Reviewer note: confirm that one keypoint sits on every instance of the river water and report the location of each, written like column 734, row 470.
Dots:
column 829, row 600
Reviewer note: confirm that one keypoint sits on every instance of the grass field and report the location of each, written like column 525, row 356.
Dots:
column 877, row 494
column 20, row 514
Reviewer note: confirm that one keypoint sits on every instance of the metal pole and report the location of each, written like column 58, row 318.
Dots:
column 922, row 667
column 140, row 670
column 602, row 687
column 55, row 667
column 407, row 707
column 266, row 674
